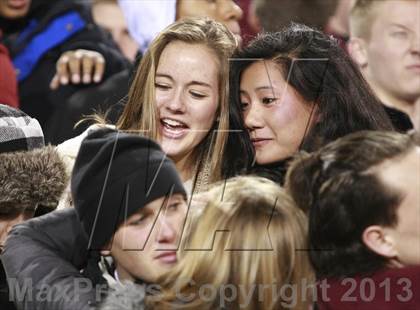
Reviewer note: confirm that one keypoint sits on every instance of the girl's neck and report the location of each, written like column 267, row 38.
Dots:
column 184, row 167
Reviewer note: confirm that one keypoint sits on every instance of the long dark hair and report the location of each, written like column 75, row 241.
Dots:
column 321, row 72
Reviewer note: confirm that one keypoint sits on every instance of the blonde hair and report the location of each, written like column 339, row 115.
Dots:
column 140, row 113
column 363, row 15
column 266, row 232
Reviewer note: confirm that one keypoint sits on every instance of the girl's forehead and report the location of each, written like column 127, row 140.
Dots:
column 188, row 62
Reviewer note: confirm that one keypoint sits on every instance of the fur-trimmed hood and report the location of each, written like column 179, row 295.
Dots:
column 127, row 296
column 30, row 179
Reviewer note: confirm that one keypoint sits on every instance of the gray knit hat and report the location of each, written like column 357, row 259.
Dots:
column 18, row 131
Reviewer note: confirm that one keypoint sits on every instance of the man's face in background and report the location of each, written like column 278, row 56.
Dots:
column 14, row 9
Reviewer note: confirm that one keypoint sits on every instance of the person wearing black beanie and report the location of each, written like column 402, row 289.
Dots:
column 129, row 203
column 120, row 183
column 114, row 175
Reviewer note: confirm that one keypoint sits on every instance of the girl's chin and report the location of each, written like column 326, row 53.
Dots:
column 172, row 151
column 178, row 149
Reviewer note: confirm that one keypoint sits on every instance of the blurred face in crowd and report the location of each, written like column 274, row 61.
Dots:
column 13, row 9
column 187, row 96
column 404, row 176
column 144, row 247
column 274, row 113
column 224, row 11
column 7, row 221
column 391, row 62
column 109, row 16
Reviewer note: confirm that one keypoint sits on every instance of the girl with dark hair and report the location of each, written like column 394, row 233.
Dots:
column 297, row 89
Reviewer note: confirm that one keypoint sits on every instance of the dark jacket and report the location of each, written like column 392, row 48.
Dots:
column 275, row 172
column 36, row 43
column 110, row 97
column 32, row 179
column 5, row 303
column 44, row 256
column 399, row 119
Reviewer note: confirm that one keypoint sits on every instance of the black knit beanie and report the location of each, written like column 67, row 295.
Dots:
column 116, row 174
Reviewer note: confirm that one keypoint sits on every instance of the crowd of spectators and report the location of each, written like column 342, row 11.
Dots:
column 209, row 154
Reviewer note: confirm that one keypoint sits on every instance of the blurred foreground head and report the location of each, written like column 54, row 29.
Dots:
column 248, row 236
column 362, row 196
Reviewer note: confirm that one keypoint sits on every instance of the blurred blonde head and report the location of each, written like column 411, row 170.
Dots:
column 260, row 233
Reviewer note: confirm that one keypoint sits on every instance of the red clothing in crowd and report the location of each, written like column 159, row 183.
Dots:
column 247, row 31
column 342, row 40
column 8, row 83
column 389, row 289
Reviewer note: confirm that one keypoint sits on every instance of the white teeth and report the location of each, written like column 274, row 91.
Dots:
column 172, row 122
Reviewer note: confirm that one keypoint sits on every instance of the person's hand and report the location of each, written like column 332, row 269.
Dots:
column 78, row 66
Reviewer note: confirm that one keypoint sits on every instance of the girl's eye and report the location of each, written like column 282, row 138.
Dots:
column 162, row 86
column 244, row 106
column 197, row 95
column 268, row 100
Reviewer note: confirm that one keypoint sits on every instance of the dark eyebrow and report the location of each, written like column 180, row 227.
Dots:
column 259, row 88
column 264, row 88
